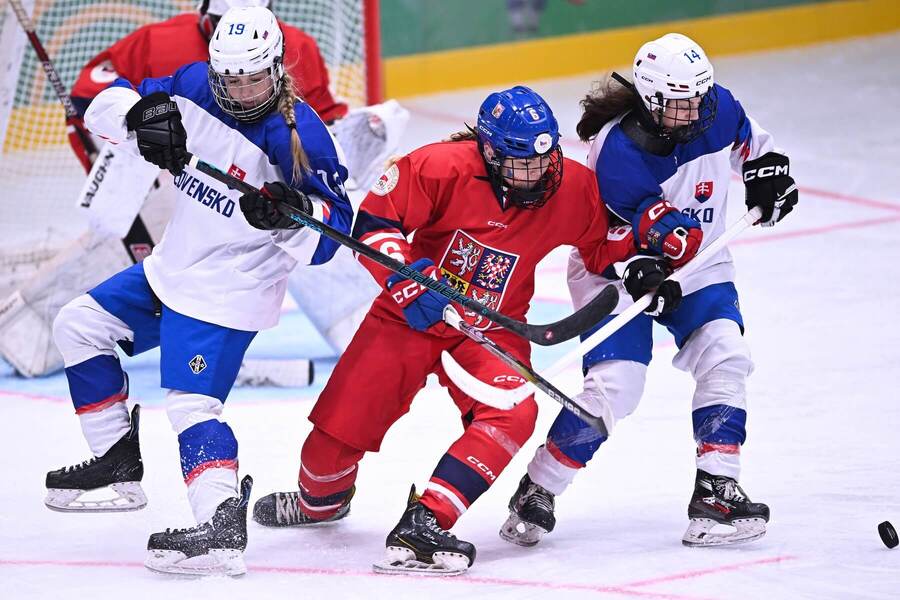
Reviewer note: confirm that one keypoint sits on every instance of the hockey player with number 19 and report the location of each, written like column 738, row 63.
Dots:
column 663, row 152
column 215, row 279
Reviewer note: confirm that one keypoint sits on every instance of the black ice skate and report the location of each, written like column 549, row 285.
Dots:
column 120, row 470
column 530, row 514
column 719, row 500
column 282, row 509
column 418, row 545
column 212, row 548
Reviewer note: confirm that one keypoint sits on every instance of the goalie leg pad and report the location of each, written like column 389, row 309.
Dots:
column 26, row 338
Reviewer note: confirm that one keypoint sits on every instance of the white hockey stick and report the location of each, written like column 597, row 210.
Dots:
column 507, row 398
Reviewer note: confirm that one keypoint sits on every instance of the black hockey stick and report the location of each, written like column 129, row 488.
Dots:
column 546, row 335
column 137, row 241
column 452, row 318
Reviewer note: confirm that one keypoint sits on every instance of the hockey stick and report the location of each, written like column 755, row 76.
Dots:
column 452, row 318
column 546, row 335
column 137, row 241
column 508, row 398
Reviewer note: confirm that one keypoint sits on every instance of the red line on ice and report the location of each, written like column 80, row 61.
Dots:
column 623, row 589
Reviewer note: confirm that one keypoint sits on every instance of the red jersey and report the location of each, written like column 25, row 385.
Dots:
column 440, row 195
column 158, row 49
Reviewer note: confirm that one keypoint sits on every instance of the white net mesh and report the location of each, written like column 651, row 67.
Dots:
column 42, row 177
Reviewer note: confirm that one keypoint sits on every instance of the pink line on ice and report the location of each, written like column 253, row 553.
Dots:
column 710, row 571
column 623, row 589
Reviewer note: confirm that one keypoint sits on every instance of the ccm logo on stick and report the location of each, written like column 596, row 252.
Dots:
column 510, row 378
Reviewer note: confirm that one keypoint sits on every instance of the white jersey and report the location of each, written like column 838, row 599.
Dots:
column 694, row 178
column 211, row 264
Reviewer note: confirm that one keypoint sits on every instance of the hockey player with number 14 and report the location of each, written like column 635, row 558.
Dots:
column 216, row 278
column 663, row 150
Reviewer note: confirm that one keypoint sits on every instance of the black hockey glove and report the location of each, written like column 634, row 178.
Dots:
column 644, row 275
column 769, row 185
column 161, row 137
column 260, row 210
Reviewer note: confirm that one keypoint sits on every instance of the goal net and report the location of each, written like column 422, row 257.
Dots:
column 41, row 176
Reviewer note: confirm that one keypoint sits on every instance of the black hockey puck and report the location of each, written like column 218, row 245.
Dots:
column 888, row 534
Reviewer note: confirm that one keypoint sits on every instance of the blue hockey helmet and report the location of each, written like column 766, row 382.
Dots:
column 519, row 140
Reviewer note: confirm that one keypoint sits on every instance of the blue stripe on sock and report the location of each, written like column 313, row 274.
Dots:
column 206, row 442
column 720, row 424
column 463, row 477
column 95, row 380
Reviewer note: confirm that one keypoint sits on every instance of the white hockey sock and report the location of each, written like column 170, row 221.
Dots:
column 549, row 473
column 210, row 489
column 103, row 428
column 720, row 463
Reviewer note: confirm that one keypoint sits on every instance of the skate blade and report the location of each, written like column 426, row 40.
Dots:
column 128, row 496
column 699, row 533
column 403, row 561
column 516, row 531
column 215, row 562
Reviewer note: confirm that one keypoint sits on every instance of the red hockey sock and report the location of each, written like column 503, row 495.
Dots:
column 328, row 470
column 475, row 460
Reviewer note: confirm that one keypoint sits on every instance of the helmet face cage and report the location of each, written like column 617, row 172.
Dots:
column 514, row 180
column 518, row 137
column 244, row 96
column 682, row 119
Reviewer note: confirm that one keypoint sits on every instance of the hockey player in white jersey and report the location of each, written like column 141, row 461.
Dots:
column 217, row 277
column 663, row 151
column 367, row 135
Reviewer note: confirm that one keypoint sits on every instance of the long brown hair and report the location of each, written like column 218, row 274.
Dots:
column 286, row 101
column 606, row 100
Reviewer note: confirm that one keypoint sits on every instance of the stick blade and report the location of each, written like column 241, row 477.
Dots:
column 504, row 399
column 601, row 306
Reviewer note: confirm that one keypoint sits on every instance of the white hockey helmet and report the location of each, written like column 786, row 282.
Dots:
column 675, row 67
column 247, row 41
column 212, row 10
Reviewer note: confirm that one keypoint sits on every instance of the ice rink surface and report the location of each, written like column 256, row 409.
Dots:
column 819, row 293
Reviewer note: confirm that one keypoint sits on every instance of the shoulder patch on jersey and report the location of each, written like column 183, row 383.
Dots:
column 387, row 182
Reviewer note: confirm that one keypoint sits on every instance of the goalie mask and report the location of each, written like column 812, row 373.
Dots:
column 519, row 141
column 246, row 68
column 674, row 81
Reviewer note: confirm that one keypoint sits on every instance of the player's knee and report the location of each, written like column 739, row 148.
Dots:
column 186, row 409
column 509, row 428
column 67, row 326
column 717, row 345
column 618, row 383
column 720, row 362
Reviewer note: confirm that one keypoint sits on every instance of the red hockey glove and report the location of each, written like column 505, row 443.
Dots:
column 664, row 230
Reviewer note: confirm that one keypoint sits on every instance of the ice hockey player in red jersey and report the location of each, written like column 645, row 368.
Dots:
column 485, row 207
